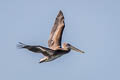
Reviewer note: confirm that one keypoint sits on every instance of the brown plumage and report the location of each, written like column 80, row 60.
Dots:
column 56, row 34
column 55, row 49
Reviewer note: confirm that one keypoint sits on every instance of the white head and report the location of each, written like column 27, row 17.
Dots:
column 67, row 46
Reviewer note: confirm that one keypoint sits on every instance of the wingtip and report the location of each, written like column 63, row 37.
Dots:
column 20, row 45
column 60, row 13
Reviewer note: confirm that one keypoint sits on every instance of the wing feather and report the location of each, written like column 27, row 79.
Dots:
column 54, row 41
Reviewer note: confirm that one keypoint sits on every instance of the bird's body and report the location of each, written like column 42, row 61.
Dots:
column 47, row 52
column 55, row 49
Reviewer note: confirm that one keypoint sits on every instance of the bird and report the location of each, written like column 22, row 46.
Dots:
column 55, row 49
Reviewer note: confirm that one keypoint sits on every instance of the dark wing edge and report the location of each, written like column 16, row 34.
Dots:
column 54, row 41
column 36, row 49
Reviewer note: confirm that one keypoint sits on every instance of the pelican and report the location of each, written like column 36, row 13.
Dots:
column 55, row 49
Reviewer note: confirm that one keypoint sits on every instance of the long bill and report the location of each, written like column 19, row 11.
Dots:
column 75, row 49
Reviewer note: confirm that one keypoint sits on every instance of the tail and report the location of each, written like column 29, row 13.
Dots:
column 22, row 45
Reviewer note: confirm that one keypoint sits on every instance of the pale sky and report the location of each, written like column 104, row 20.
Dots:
column 91, row 25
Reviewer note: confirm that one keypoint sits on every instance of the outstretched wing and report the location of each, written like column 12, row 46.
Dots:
column 54, row 41
column 37, row 49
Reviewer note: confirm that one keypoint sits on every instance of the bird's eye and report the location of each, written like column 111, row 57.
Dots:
column 68, row 45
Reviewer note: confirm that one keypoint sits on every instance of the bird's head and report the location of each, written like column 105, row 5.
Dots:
column 68, row 46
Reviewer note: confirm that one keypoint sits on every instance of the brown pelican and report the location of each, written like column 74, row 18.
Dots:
column 55, row 49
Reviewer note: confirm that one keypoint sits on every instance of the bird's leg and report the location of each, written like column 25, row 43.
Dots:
column 43, row 59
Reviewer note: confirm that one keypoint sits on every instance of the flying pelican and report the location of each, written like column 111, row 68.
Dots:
column 55, row 50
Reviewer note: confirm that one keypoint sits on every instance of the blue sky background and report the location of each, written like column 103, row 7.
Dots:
column 91, row 25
